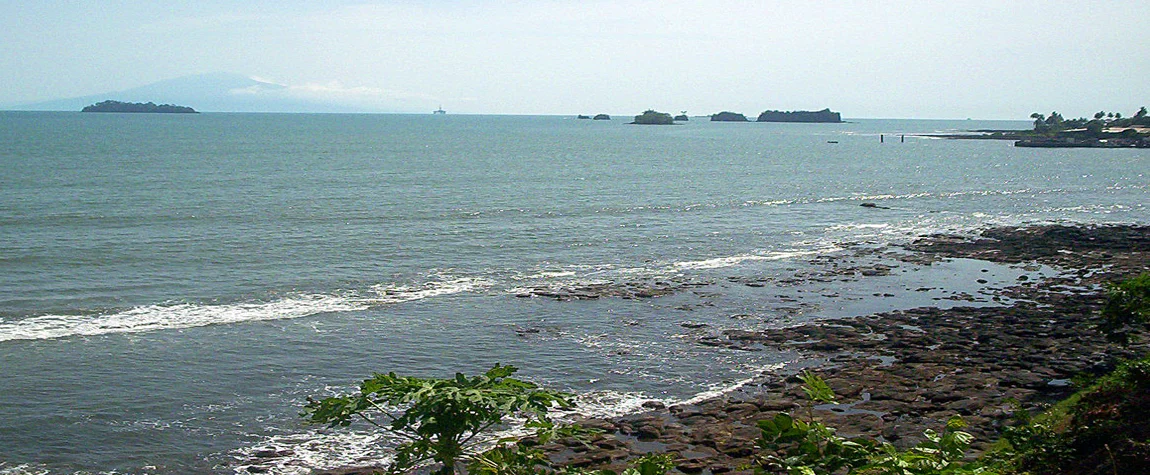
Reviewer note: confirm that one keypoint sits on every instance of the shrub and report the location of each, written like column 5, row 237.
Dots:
column 809, row 447
column 439, row 418
column 1127, row 308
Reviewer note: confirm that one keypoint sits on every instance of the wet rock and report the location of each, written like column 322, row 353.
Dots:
column 654, row 405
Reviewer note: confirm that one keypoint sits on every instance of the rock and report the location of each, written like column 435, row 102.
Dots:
column 825, row 116
column 727, row 116
column 602, row 117
column 648, row 432
column 691, row 466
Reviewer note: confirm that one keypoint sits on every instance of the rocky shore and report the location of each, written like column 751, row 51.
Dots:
column 902, row 372
column 897, row 373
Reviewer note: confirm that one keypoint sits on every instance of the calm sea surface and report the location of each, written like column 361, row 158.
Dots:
column 172, row 287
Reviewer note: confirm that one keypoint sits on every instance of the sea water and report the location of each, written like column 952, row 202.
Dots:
column 173, row 287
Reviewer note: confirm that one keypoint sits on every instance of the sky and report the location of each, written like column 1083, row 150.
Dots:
column 866, row 59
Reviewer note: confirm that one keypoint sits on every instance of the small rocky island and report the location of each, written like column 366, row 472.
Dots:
column 601, row 117
column 823, row 116
column 727, row 116
column 148, row 107
column 651, row 117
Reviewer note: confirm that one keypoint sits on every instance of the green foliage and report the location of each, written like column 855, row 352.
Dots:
column 797, row 447
column 801, row 447
column 439, row 418
column 940, row 454
column 651, row 464
column 1127, row 308
column 1100, row 430
column 1056, row 125
column 816, row 389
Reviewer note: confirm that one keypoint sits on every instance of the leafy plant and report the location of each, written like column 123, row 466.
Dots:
column 940, row 454
column 798, row 447
column 1100, row 430
column 440, row 419
column 808, row 447
column 650, row 464
column 1127, row 308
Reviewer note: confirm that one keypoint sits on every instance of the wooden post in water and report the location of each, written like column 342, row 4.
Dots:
column 902, row 139
column 880, row 138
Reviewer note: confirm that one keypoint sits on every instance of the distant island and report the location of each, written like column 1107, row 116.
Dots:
column 823, row 116
column 602, row 117
column 727, row 116
column 650, row 117
column 148, row 107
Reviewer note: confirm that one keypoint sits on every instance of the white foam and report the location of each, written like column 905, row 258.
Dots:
column 162, row 317
column 174, row 316
column 317, row 450
column 730, row 261
column 391, row 293
column 22, row 469
column 551, row 274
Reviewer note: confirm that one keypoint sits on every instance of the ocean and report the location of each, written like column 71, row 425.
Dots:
column 174, row 286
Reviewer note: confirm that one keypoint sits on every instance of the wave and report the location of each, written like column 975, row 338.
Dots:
column 721, row 262
column 22, row 469
column 188, row 315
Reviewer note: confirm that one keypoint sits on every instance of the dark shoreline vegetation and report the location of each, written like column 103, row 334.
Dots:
column 1105, row 130
column 141, row 107
column 1035, row 386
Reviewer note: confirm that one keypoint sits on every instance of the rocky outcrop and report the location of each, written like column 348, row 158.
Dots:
column 602, row 117
column 650, row 117
column 728, row 116
column 823, row 116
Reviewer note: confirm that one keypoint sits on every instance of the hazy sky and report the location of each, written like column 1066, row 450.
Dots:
column 922, row 59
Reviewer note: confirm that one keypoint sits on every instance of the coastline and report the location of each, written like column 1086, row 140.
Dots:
column 899, row 373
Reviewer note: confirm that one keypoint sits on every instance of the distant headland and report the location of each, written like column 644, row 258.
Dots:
column 147, row 107
column 1105, row 130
